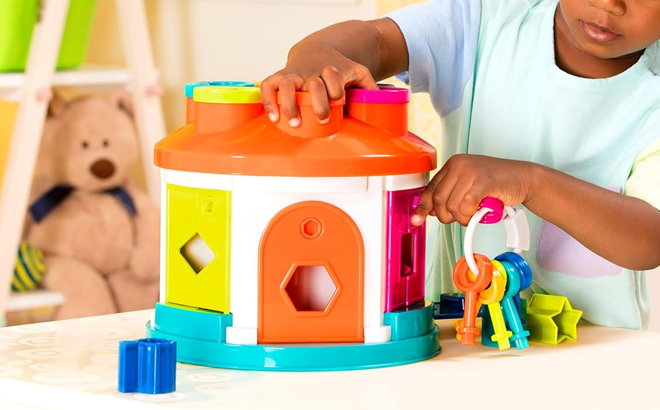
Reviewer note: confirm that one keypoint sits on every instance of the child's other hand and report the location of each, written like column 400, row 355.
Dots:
column 319, row 69
column 454, row 193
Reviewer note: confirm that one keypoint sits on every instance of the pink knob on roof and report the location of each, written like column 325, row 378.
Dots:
column 386, row 95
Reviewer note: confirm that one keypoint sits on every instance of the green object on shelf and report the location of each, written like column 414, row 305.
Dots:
column 551, row 319
column 17, row 21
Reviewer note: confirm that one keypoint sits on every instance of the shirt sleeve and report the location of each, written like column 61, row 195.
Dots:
column 441, row 37
column 644, row 180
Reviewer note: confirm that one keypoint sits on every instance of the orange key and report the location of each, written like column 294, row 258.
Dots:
column 471, row 288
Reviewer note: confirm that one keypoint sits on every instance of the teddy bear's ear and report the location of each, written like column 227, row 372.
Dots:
column 121, row 99
column 57, row 104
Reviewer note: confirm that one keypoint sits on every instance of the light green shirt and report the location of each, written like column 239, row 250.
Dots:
column 490, row 69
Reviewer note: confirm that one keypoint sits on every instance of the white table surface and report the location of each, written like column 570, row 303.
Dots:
column 54, row 365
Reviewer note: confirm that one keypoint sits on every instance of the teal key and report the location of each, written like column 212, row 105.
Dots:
column 520, row 335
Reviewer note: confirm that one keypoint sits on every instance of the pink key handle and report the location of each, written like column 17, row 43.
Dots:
column 496, row 210
column 492, row 210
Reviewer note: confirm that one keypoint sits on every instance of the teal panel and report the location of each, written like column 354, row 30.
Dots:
column 408, row 324
column 192, row 323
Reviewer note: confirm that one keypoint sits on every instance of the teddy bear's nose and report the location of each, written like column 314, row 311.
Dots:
column 103, row 169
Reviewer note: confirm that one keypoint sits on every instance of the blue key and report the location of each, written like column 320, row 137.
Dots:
column 522, row 265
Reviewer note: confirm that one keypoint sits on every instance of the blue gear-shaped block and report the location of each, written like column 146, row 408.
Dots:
column 147, row 366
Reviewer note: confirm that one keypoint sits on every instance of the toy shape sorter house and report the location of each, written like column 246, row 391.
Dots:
column 292, row 248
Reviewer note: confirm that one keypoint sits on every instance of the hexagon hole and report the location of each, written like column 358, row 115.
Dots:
column 197, row 253
column 310, row 288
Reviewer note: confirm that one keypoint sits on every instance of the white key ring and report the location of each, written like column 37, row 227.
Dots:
column 515, row 225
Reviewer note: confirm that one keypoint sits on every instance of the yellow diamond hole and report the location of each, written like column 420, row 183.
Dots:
column 197, row 253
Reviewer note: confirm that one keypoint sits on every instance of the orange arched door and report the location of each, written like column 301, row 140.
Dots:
column 311, row 276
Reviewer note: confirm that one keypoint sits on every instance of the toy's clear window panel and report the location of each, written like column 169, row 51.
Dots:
column 198, row 247
column 405, row 252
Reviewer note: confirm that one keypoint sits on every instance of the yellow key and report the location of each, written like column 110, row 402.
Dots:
column 500, row 334
column 491, row 297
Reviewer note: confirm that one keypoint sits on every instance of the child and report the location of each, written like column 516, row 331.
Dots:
column 552, row 104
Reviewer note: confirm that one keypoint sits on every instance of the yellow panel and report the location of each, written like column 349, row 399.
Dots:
column 207, row 213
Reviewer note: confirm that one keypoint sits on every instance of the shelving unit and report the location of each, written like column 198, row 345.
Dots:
column 32, row 89
column 34, row 299
column 89, row 75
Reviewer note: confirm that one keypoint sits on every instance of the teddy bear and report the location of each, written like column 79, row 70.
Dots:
column 97, row 229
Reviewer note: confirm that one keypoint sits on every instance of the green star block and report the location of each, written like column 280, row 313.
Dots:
column 551, row 319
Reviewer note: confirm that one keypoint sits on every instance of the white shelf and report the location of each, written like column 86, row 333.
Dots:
column 96, row 76
column 33, row 299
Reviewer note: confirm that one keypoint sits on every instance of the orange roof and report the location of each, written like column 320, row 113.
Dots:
column 361, row 139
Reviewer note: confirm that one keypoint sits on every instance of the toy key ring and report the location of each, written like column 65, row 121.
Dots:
column 490, row 211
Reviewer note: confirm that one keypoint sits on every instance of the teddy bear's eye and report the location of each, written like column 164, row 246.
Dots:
column 105, row 143
column 85, row 144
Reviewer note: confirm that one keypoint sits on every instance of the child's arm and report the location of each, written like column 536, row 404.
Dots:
column 622, row 229
column 345, row 54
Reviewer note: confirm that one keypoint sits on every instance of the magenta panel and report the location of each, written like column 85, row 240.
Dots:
column 406, row 247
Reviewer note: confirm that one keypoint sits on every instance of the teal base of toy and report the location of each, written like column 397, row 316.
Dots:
column 422, row 342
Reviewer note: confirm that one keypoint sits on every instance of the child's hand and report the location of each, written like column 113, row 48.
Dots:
column 456, row 190
column 322, row 71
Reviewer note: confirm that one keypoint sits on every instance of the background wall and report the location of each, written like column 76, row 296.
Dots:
column 653, row 278
column 195, row 40
column 198, row 40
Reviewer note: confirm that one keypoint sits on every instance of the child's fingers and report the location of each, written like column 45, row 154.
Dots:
column 361, row 77
column 456, row 200
column 472, row 198
column 288, row 87
column 320, row 104
column 425, row 203
column 424, row 207
column 334, row 82
column 441, row 198
column 269, row 96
